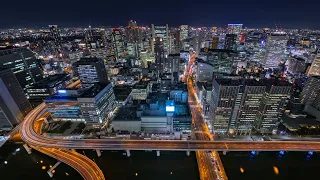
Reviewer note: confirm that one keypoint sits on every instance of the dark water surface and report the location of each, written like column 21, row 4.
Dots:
column 143, row 165
column 261, row 166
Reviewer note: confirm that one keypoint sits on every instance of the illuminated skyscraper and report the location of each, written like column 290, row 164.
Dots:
column 272, row 105
column 183, row 32
column 161, row 32
column 315, row 66
column 133, row 38
column 230, row 42
column 117, row 43
column 90, row 71
column 223, row 100
column 239, row 106
column 55, row 34
column 250, row 105
column 234, row 29
column 221, row 60
column 275, row 50
column 310, row 90
column 23, row 63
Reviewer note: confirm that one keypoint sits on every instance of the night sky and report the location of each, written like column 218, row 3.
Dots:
column 252, row 13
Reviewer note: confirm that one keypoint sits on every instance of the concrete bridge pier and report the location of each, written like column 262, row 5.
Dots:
column 51, row 169
column 27, row 148
column 224, row 152
column 158, row 153
column 98, row 152
column 128, row 152
column 188, row 153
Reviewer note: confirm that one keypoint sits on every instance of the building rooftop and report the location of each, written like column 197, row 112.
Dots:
column 49, row 81
column 93, row 90
column 252, row 82
column 126, row 113
column 122, row 92
column 203, row 61
column 218, row 50
column 86, row 60
column 293, row 123
column 74, row 93
column 141, row 85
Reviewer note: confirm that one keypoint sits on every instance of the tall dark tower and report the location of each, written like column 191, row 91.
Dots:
column 55, row 34
column 230, row 42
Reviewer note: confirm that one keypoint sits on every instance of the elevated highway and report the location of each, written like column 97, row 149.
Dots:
column 31, row 137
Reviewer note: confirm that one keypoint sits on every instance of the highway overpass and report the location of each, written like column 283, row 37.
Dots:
column 31, row 137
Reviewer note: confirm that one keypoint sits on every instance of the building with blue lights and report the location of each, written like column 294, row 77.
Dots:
column 90, row 70
column 93, row 105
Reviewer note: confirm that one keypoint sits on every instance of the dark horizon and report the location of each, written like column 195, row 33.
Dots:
column 252, row 14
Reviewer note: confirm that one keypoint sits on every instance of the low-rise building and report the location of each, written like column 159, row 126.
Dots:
column 126, row 119
column 140, row 91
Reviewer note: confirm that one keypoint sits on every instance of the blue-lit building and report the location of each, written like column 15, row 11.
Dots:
column 63, row 106
column 92, row 105
column 90, row 70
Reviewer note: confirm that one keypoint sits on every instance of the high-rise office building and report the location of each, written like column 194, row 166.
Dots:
column 91, row 70
column 239, row 106
column 97, row 103
column 13, row 103
column 234, row 29
column 296, row 65
column 172, row 66
column 23, row 63
column 172, row 63
column 275, row 50
column 204, row 71
column 133, row 38
column 184, row 32
column 250, row 106
column 221, row 60
column 315, row 66
column 159, row 53
column 55, row 34
column 310, row 90
column 223, row 99
column 230, row 42
column 161, row 32
column 95, row 37
column 272, row 105
column 215, row 42
column 118, row 43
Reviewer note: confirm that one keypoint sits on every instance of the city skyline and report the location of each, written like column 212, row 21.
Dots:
column 283, row 14
column 204, row 78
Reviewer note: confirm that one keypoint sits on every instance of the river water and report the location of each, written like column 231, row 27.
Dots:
column 143, row 165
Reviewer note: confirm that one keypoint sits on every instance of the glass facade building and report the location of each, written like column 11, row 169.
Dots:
column 275, row 50
column 23, row 64
column 14, row 105
column 118, row 43
column 91, row 70
column 221, row 60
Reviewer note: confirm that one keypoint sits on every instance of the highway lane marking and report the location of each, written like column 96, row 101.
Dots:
column 226, row 145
